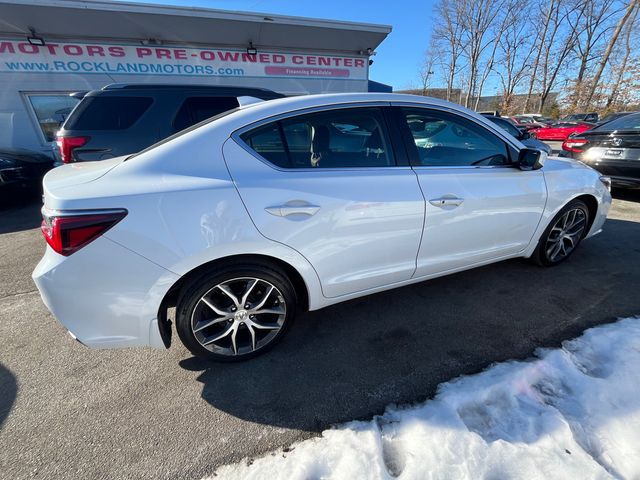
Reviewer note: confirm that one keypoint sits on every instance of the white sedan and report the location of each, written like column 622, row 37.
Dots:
column 296, row 204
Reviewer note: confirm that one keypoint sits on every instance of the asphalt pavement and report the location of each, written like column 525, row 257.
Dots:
column 70, row 412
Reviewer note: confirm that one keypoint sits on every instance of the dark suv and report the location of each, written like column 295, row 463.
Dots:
column 122, row 119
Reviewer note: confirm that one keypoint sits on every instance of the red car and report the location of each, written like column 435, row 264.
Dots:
column 560, row 131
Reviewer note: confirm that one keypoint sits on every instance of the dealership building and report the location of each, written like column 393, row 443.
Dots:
column 50, row 49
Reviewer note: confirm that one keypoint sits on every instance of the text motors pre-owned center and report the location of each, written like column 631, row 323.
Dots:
column 51, row 49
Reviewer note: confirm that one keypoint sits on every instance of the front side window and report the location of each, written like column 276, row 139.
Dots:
column 447, row 140
column 348, row 138
column 51, row 110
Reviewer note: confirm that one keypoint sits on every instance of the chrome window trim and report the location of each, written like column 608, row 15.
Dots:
column 235, row 136
column 462, row 167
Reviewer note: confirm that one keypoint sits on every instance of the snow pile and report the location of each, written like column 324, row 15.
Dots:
column 572, row 412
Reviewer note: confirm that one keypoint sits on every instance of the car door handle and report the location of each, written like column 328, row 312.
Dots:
column 446, row 202
column 292, row 208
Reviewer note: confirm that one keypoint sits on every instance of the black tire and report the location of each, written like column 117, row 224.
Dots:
column 191, row 307
column 543, row 252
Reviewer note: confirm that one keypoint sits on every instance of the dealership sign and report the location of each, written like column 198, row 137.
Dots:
column 73, row 58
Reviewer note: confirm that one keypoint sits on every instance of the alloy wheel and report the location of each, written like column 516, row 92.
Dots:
column 565, row 234
column 238, row 316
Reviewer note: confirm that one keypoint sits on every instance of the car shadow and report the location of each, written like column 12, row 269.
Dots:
column 628, row 194
column 351, row 360
column 9, row 389
column 19, row 209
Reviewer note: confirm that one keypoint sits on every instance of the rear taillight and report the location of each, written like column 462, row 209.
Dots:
column 575, row 145
column 67, row 144
column 67, row 234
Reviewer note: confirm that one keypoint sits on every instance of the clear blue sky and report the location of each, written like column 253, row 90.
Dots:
column 399, row 56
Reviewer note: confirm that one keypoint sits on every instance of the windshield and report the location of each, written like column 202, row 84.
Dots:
column 627, row 122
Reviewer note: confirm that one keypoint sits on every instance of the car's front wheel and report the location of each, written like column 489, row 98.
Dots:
column 235, row 312
column 563, row 235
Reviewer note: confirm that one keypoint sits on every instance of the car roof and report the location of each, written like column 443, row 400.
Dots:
column 259, row 111
column 116, row 89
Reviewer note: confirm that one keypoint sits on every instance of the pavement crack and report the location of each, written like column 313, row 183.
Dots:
column 18, row 294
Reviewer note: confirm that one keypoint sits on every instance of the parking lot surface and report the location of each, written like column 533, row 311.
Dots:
column 70, row 412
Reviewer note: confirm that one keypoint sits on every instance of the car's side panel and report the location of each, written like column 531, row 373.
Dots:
column 567, row 179
column 181, row 214
column 499, row 213
column 367, row 227
column 105, row 295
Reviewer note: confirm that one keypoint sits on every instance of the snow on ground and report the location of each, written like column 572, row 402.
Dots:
column 568, row 413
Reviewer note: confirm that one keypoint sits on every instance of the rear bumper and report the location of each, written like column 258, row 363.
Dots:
column 104, row 294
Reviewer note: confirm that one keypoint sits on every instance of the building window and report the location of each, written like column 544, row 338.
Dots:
column 51, row 110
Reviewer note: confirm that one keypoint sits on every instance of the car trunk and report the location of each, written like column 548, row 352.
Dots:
column 69, row 182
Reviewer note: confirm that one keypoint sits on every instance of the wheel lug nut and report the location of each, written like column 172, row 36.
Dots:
column 247, row 306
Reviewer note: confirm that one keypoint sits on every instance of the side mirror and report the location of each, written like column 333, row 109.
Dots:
column 531, row 159
column 524, row 135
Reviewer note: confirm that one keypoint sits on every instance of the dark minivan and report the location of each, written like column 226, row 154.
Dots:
column 122, row 119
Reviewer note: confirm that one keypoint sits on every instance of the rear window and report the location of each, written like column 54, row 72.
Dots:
column 107, row 113
column 628, row 122
column 197, row 109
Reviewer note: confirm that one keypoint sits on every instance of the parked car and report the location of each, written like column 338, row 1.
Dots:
column 560, row 131
column 296, row 204
column 613, row 116
column 525, row 138
column 592, row 117
column 538, row 117
column 22, row 168
column 122, row 119
column 526, row 123
column 612, row 148
column 538, row 120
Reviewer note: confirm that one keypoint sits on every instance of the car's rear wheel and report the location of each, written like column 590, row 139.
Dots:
column 563, row 235
column 235, row 312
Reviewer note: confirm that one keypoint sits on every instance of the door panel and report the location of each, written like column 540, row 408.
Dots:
column 360, row 228
column 497, row 214
column 478, row 206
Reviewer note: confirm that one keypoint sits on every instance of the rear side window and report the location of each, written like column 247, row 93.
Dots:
column 107, row 113
column 349, row 138
column 197, row 109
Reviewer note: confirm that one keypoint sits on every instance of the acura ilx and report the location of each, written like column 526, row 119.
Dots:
column 244, row 220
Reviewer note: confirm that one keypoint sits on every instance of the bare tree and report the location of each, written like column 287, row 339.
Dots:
column 623, row 69
column 561, row 38
column 595, row 25
column 431, row 57
column 447, row 35
column 632, row 5
column 477, row 17
column 535, row 47
column 547, row 9
column 515, row 54
column 507, row 15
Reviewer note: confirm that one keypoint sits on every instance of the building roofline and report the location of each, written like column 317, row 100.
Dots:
column 200, row 12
